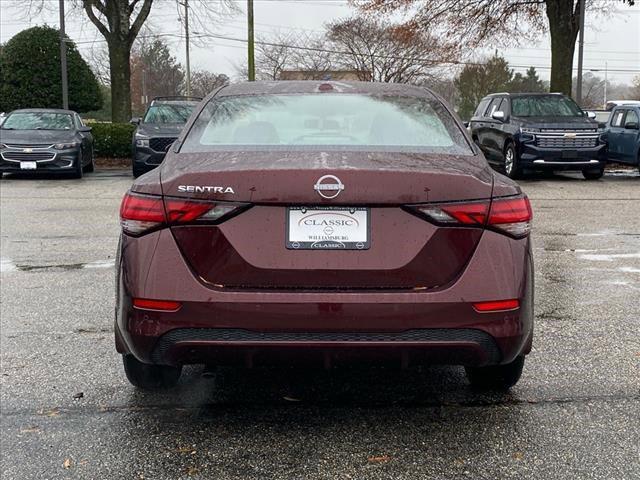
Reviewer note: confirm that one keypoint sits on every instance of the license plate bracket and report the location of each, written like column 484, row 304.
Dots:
column 328, row 228
column 569, row 154
column 28, row 165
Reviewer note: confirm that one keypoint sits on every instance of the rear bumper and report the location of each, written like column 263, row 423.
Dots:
column 255, row 327
column 534, row 157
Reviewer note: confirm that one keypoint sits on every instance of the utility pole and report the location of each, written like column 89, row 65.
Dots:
column 580, row 55
column 605, row 85
column 186, row 34
column 250, row 45
column 63, row 59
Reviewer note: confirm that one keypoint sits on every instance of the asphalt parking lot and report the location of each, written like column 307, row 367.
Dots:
column 69, row 412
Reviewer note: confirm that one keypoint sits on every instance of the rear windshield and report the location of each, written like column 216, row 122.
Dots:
column 545, row 106
column 38, row 121
column 340, row 121
column 169, row 113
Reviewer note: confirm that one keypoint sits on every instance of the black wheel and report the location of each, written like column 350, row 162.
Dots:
column 511, row 162
column 78, row 170
column 91, row 166
column 496, row 377
column 150, row 377
column 593, row 174
column 137, row 171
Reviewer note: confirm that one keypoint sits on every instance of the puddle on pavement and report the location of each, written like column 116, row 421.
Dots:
column 7, row 265
column 601, row 257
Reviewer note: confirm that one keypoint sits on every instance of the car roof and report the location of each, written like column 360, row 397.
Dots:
column 43, row 110
column 281, row 87
column 625, row 106
column 525, row 94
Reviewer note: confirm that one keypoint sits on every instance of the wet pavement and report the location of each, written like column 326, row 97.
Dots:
column 68, row 411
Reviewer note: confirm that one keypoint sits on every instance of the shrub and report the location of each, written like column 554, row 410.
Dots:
column 112, row 139
column 30, row 73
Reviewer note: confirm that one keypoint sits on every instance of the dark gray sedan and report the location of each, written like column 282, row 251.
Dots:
column 45, row 140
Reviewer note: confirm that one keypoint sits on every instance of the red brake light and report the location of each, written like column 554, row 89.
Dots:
column 474, row 213
column 511, row 215
column 139, row 213
column 160, row 305
column 142, row 213
column 496, row 306
column 185, row 210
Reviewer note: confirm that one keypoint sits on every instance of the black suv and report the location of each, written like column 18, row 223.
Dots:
column 538, row 131
column 158, row 129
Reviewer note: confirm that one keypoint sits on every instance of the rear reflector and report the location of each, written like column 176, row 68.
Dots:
column 160, row 305
column 510, row 215
column 143, row 213
column 496, row 306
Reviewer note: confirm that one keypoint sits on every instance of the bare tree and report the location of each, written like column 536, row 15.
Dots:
column 204, row 82
column 98, row 59
column 388, row 52
column 120, row 22
column 274, row 56
column 501, row 21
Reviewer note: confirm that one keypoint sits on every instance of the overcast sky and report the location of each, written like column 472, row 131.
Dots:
column 614, row 41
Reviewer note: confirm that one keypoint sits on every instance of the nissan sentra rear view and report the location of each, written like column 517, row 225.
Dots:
column 324, row 223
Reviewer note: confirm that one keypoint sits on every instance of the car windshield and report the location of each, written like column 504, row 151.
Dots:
column 38, row 121
column 341, row 121
column 545, row 106
column 169, row 113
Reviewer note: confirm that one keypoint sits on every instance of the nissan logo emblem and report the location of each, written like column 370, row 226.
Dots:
column 328, row 186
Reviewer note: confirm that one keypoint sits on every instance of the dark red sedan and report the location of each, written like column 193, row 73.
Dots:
column 324, row 222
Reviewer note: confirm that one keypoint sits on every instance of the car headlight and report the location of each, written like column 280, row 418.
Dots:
column 65, row 146
column 530, row 131
column 141, row 140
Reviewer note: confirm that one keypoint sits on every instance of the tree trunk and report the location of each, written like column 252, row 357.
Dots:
column 563, row 28
column 119, row 55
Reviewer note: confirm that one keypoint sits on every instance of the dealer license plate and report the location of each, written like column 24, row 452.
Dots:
column 328, row 228
column 28, row 165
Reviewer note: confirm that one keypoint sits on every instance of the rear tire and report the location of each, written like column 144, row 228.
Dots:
column 496, row 377
column 593, row 174
column 150, row 377
column 511, row 162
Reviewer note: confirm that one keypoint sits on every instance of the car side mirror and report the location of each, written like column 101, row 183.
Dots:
column 135, row 121
column 84, row 129
column 498, row 115
column 591, row 114
column 631, row 126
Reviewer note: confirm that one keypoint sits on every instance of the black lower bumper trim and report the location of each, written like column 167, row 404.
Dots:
column 237, row 337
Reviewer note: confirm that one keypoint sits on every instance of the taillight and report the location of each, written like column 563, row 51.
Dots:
column 510, row 215
column 140, row 213
column 143, row 213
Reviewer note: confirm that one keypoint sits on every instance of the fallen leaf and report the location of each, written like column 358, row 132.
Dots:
column 192, row 471
column 518, row 455
column 79, row 395
column 379, row 459
column 67, row 463
column 32, row 429
column 53, row 412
